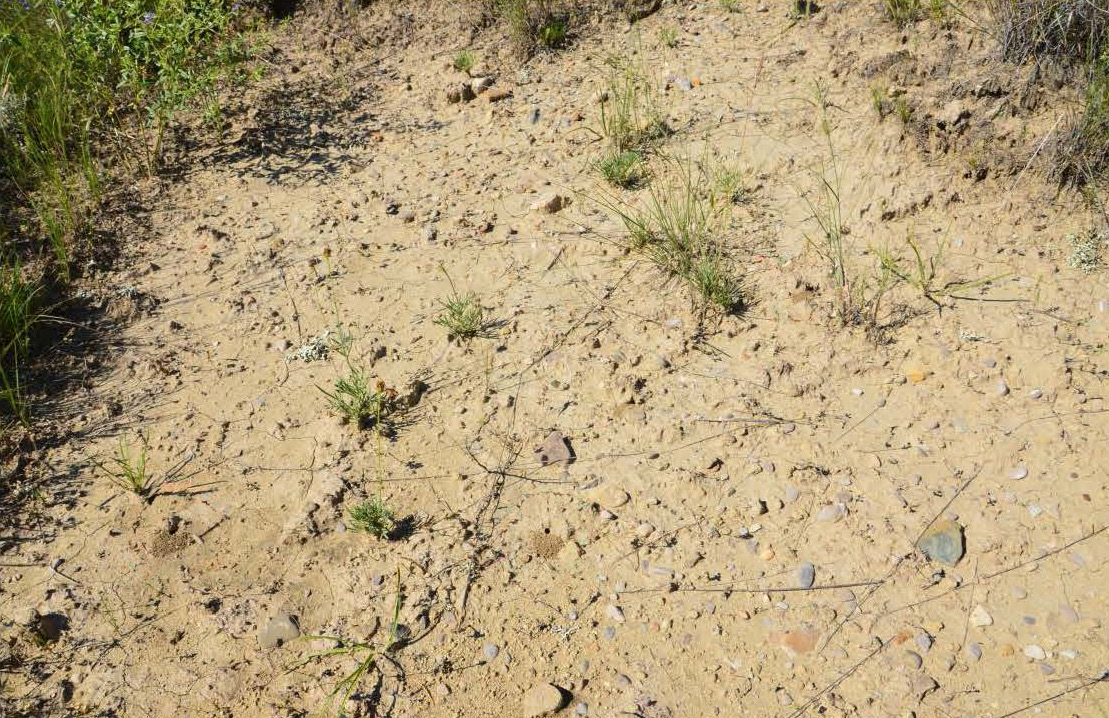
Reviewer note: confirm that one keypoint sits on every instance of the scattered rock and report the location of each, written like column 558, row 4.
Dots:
column 980, row 617
column 543, row 699
column 555, row 449
column 806, row 575
column 943, row 542
column 1035, row 652
column 1018, row 473
column 973, row 651
column 280, row 630
column 831, row 513
column 550, row 203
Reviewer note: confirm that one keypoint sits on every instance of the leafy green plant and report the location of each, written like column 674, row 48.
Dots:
column 623, row 169
column 464, row 61
column 353, row 396
column 374, row 517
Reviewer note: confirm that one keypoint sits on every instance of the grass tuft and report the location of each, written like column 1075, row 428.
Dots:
column 631, row 114
column 623, row 169
column 464, row 61
column 462, row 315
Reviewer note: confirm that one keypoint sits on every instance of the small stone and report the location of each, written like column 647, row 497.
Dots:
column 1035, row 394
column 549, row 203
column 280, row 630
column 914, row 659
column 490, row 651
column 806, row 575
column 1034, row 652
column 830, row 513
column 543, row 699
column 501, row 93
column 923, row 641
column 582, row 709
column 554, row 450
column 973, row 651
column 1018, row 473
column 480, row 84
column 943, row 542
column 1002, row 388
column 1047, row 669
column 980, row 617
column 615, row 613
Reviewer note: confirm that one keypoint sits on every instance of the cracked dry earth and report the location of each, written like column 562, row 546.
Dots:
column 731, row 521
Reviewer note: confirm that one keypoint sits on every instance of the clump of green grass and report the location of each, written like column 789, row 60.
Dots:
column 623, row 169
column 462, row 315
column 668, row 36
column 128, row 470
column 631, row 114
column 732, row 5
column 533, row 23
column 374, row 517
column 679, row 228
column 902, row 109
column 464, row 61
column 729, row 183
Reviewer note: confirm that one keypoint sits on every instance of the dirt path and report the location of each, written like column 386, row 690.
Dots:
column 736, row 533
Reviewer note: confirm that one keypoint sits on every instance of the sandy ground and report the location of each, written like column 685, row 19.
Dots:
column 737, row 531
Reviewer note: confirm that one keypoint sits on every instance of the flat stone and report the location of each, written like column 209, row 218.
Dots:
column 554, row 450
column 543, row 699
column 280, row 630
column 1035, row 652
column 831, row 513
column 1018, row 473
column 973, row 651
column 980, row 617
column 549, row 203
column 943, row 542
column 806, row 575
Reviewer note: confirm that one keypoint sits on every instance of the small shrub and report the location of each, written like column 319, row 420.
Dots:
column 553, row 33
column 464, row 61
column 533, row 23
column 354, row 397
column 623, row 169
column 373, row 517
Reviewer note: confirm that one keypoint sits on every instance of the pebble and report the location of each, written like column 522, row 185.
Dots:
column 973, row 651
column 831, row 513
column 1002, row 387
column 1034, row 652
column 792, row 493
column 1035, row 393
column 280, row 630
column 1047, row 669
column 923, row 641
column 582, row 709
column 615, row 613
column 980, row 617
column 490, row 650
column 914, row 659
column 543, row 699
column 806, row 575
column 1018, row 473
column 943, row 542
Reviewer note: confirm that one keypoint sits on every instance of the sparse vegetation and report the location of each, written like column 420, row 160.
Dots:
column 631, row 116
column 374, row 517
column 623, row 169
column 18, row 308
column 731, row 5
column 532, row 23
column 668, row 36
column 128, row 470
column 903, row 12
column 84, row 83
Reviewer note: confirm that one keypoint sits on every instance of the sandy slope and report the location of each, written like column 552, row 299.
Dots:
column 656, row 574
